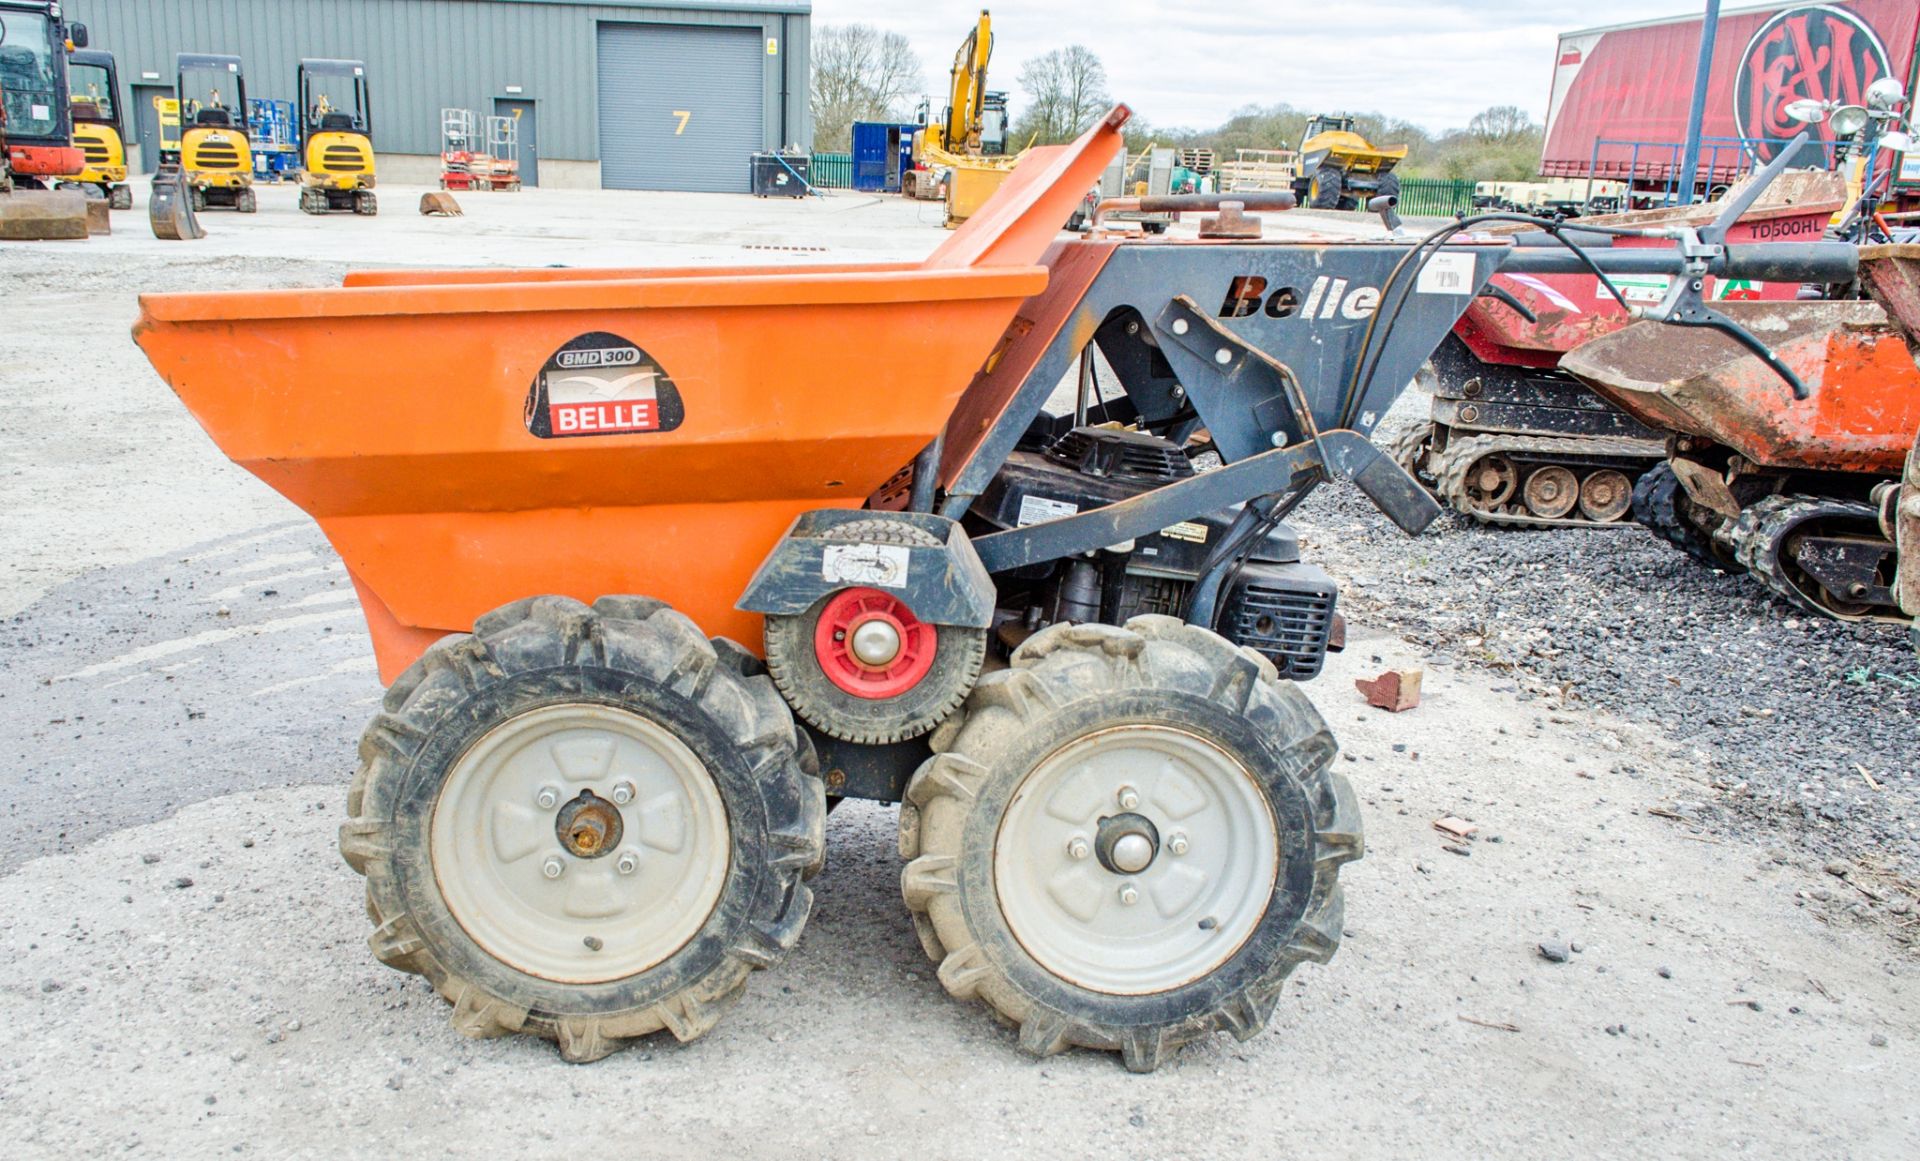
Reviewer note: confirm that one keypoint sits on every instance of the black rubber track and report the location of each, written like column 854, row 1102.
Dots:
column 1663, row 508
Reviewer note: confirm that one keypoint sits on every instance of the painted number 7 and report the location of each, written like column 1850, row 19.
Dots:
column 685, row 115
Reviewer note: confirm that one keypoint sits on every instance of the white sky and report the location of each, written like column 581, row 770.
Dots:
column 1181, row 63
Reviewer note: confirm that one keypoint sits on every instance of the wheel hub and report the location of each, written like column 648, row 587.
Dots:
column 580, row 843
column 1606, row 495
column 1136, row 859
column 1491, row 482
column 870, row 644
column 876, row 642
column 1551, row 492
column 589, row 827
column 1128, row 843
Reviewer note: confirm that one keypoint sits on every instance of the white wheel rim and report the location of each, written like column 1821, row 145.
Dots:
column 492, row 837
column 1190, row 911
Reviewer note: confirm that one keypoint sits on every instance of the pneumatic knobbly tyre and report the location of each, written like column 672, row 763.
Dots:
column 798, row 655
column 1163, row 736
column 1326, row 187
column 584, row 823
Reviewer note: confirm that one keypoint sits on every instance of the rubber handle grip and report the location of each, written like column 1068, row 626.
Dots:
column 1252, row 201
column 1792, row 262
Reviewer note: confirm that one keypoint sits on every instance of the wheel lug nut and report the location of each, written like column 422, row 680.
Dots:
column 1078, row 848
column 628, row 863
column 548, row 798
column 622, row 793
column 1127, row 797
column 553, row 868
column 1177, row 843
column 1128, row 895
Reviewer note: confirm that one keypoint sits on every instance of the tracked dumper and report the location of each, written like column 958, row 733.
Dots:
column 1892, row 275
column 1791, row 490
column 1514, row 441
column 1901, row 510
column 660, row 564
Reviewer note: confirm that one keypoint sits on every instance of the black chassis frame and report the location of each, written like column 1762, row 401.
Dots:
column 1288, row 353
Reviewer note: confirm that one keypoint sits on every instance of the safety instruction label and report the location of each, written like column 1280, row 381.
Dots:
column 1187, row 530
column 601, row 384
column 1648, row 289
column 1039, row 510
column 865, row 564
column 1447, row 274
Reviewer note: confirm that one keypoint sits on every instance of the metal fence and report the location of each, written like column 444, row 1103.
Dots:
column 1723, row 160
column 1435, row 197
column 832, row 170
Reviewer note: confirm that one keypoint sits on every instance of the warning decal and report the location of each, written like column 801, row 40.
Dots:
column 601, row 384
column 865, row 564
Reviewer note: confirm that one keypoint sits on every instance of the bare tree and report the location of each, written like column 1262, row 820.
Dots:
column 1065, row 90
column 1501, row 124
column 859, row 74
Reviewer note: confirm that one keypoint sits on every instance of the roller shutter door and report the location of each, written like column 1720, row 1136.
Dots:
column 680, row 106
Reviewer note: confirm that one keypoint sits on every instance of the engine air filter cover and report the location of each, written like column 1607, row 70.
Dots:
column 1121, row 455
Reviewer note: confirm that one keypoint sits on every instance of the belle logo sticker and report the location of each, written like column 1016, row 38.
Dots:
column 601, row 384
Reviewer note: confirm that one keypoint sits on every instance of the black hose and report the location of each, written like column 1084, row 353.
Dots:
column 1398, row 280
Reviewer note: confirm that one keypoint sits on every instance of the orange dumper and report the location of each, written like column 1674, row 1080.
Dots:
column 660, row 564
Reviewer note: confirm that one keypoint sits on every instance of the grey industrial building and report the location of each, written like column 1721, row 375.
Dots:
column 620, row 94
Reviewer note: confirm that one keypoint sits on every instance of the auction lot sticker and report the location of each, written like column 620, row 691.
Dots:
column 601, row 384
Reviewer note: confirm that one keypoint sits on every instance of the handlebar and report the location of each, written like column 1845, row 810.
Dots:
column 1252, row 202
column 1684, row 303
column 1768, row 262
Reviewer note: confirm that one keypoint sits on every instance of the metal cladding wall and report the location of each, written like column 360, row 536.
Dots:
column 677, row 107
column 423, row 55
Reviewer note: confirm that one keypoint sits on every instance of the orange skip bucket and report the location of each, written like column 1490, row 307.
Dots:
column 467, row 438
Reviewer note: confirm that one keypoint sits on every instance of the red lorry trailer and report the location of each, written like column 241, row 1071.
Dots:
column 1618, row 110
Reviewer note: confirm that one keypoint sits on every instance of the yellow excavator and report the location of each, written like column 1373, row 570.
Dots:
column 216, row 153
column 336, row 138
column 99, row 129
column 1339, row 169
column 962, row 158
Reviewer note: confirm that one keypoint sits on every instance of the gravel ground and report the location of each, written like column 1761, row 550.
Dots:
column 1787, row 709
column 183, row 970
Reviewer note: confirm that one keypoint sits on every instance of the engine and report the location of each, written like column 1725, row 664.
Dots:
column 1268, row 598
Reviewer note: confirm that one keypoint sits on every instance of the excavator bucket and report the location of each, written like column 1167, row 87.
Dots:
column 31, row 215
column 465, row 438
column 1860, row 415
column 170, row 208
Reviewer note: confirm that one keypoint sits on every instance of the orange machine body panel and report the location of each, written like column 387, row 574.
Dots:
column 465, row 439
column 1865, row 388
